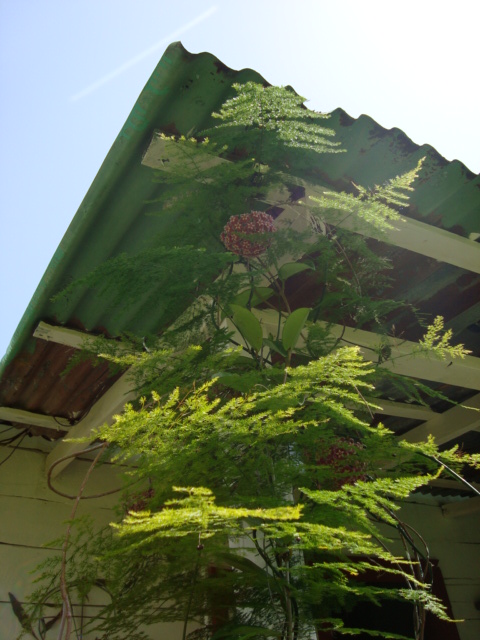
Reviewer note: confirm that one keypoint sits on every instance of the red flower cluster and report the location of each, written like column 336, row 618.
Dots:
column 139, row 501
column 243, row 234
column 342, row 459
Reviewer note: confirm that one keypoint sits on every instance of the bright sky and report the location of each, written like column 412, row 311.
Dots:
column 70, row 72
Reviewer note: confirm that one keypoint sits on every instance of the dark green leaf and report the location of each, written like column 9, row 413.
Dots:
column 291, row 268
column 275, row 345
column 293, row 327
column 259, row 295
column 248, row 325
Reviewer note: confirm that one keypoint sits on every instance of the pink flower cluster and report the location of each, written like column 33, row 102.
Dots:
column 242, row 234
column 343, row 459
column 139, row 501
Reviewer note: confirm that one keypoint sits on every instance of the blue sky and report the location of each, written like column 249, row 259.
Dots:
column 71, row 70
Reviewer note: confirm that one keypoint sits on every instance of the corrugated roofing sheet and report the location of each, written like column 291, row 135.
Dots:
column 180, row 96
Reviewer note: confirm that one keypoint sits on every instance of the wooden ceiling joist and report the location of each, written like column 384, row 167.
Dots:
column 404, row 357
column 61, row 335
column 404, row 361
column 402, row 409
column 416, row 236
column 164, row 154
column 450, row 424
column 10, row 414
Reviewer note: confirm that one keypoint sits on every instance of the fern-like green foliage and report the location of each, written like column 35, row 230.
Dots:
column 260, row 109
column 257, row 492
column 377, row 208
column 437, row 342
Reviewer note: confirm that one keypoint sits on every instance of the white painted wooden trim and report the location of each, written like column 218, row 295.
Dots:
column 60, row 335
column 449, row 424
column 111, row 403
column 463, row 372
column 68, row 337
column 408, row 234
column 402, row 409
column 416, row 236
column 35, row 419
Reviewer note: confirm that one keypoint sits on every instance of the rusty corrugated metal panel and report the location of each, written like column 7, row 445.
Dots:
column 180, row 96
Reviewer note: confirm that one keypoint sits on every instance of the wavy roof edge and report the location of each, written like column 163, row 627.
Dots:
column 141, row 120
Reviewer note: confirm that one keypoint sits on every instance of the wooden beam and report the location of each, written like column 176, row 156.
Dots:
column 68, row 337
column 110, row 404
column 450, row 424
column 413, row 235
column 35, row 419
column 408, row 233
column 402, row 409
column 462, row 372
column 60, row 335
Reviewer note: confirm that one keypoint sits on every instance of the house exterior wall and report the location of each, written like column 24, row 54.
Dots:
column 31, row 515
column 455, row 543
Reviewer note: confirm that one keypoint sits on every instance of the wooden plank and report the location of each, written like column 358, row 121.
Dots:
column 68, row 337
column 60, row 335
column 463, row 372
column 36, row 419
column 413, row 235
column 449, row 424
column 110, row 404
column 402, row 409
column 410, row 234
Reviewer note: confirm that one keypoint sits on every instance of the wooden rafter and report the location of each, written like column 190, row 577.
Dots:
column 450, row 424
column 405, row 357
column 11, row 414
column 463, row 372
column 164, row 154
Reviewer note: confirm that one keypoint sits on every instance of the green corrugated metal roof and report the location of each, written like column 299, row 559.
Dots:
column 180, row 96
column 182, row 91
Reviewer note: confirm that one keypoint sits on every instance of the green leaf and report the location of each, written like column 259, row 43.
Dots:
column 248, row 325
column 259, row 295
column 292, row 268
column 293, row 327
column 276, row 346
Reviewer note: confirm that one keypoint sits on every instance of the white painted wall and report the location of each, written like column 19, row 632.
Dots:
column 455, row 543
column 31, row 515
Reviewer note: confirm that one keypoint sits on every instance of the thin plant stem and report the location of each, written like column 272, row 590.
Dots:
column 67, row 614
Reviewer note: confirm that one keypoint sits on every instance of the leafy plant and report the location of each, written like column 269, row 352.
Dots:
column 260, row 491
